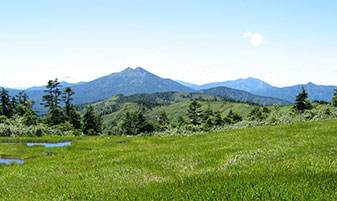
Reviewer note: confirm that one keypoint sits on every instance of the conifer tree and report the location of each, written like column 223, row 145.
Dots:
column 92, row 124
column 6, row 108
column 194, row 113
column 142, row 125
column 128, row 124
column 302, row 103
column 163, row 119
column 67, row 98
column 52, row 98
column 334, row 99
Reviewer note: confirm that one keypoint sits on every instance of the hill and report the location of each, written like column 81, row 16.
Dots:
column 113, row 110
column 242, row 96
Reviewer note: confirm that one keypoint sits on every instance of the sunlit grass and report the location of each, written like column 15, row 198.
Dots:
column 287, row 162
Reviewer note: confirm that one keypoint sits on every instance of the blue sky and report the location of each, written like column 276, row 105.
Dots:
column 280, row 42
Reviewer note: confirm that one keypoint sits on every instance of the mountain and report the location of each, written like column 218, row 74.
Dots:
column 315, row 92
column 249, row 84
column 128, row 81
column 242, row 96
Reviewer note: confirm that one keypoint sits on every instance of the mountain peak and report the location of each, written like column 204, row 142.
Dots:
column 140, row 69
column 310, row 83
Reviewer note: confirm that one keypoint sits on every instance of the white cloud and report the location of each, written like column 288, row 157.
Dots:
column 247, row 35
column 143, row 61
column 255, row 39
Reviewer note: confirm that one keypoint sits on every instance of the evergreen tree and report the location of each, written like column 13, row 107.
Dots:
column 218, row 120
column 194, row 113
column 181, row 121
column 55, row 116
column 128, row 124
column 207, row 114
column 6, row 108
column 74, row 118
column 29, row 118
column 334, row 99
column 92, row 124
column 209, row 123
column 67, row 98
column 14, row 104
column 302, row 103
column 163, row 119
column 52, row 98
column 142, row 125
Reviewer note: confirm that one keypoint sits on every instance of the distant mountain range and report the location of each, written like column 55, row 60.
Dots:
column 249, row 84
column 63, row 83
column 261, row 88
column 136, row 81
column 315, row 92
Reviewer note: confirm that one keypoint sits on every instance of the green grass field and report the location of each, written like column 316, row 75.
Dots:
column 286, row 162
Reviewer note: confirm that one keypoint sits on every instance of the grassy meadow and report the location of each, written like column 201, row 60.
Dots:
column 284, row 162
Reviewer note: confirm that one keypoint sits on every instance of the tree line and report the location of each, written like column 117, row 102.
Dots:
column 63, row 114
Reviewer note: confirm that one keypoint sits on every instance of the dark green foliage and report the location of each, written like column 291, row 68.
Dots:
column 334, row 99
column 67, row 98
column 321, row 102
column 209, row 123
column 14, row 104
column 259, row 113
column 207, row 114
column 235, row 116
column 232, row 118
column 136, row 124
column 181, row 121
column 302, row 103
column 194, row 112
column 163, row 119
column 92, row 124
column 163, row 122
column 23, row 104
column 29, row 118
column 218, row 121
column 128, row 124
column 142, row 125
column 52, row 99
column 5, row 107
column 55, row 116
column 74, row 118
